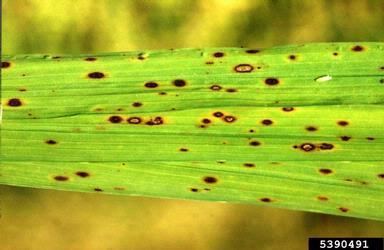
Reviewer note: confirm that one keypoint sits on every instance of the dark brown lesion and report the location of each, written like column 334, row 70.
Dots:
column 14, row 102
column 96, row 75
column 243, row 68
column 155, row 121
column 5, row 65
column 61, row 178
column 210, row 179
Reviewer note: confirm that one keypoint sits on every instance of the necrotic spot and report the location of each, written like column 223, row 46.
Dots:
column 326, row 146
column 243, row 68
column 343, row 209
column 251, row 131
column 292, row 57
column 271, row 81
column 252, row 51
column 115, row 119
column 311, row 128
column 151, row 84
column 267, row 122
column 183, row 149
column 206, row 121
column 249, row 165
column 210, row 179
column 218, row 114
column 5, row 65
column 216, row 87
column 194, row 190
column 325, row 171
column 229, row 118
column 265, row 199
column 231, row 90
column 381, row 81
column 82, row 174
column 357, row 48
column 254, row 143
column 90, row 59
column 137, row 104
column 370, row 138
column 345, row 138
column 96, row 75
column 156, row 121
column 322, row 198
column 218, row 54
column 134, row 120
column 51, row 142
column 61, row 178
column 343, row 123
column 22, row 89
column 381, row 176
column 307, row 147
column 14, row 102
column 162, row 93
column 209, row 62
column 288, row 109
column 335, row 53
column 179, row 82
column 98, row 189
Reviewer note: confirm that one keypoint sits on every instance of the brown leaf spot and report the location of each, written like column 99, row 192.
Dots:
column 357, row 48
column 90, row 59
column 265, row 199
column 98, row 189
column 322, row 198
column 137, row 104
column 22, row 89
column 156, row 121
column 218, row 114
column 292, row 57
column 343, row 123
column 229, row 118
column 151, row 85
column 252, row 51
column 326, row 146
column 243, row 68
column 5, row 65
column 271, row 81
column 179, row 82
column 96, row 75
column 206, row 121
column 381, row 176
column 209, row 62
column 311, row 128
column 288, row 109
column 115, row 119
column 210, row 179
column 218, row 54
column 267, row 122
column 370, row 138
column 14, row 102
column 194, row 190
column 82, row 174
column 216, row 87
column 61, row 178
column 254, row 143
column 307, row 147
column 325, row 171
column 119, row 188
column 134, row 120
column 183, row 150
column 249, row 165
column 343, row 209
column 345, row 138
column 231, row 90
column 51, row 142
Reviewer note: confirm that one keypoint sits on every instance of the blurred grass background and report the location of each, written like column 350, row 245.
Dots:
column 45, row 219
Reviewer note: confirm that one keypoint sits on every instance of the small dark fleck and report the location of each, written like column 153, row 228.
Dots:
column 141, row 56
column 322, row 198
column 5, row 65
column 115, row 119
column 218, row 54
column 210, row 179
column 218, row 114
column 325, row 171
column 119, row 188
column 382, row 67
column 252, row 51
column 267, row 122
column 52, row 142
column 183, row 149
column 151, row 85
column 56, row 57
column 307, row 147
column 370, row 138
column 381, row 176
column 311, row 128
column 343, row 123
column 194, row 189
column 343, row 209
column 249, row 165
column 216, row 87
column 207, row 189
column 96, row 75
column 119, row 109
column 179, row 82
column 292, row 57
column 358, row 48
column 90, row 59
column 162, row 93
column 288, row 109
column 22, row 89
column 229, row 118
column 82, row 174
column 221, row 162
column 251, row 131
column 202, row 126
column 209, row 62
column 206, row 121
column 271, row 81
column 61, row 178
column 98, row 189
column 231, row 90
column 254, row 143
column 349, row 180
column 134, row 120
column 14, row 102
column 345, row 138
column 137, row 104
column 265, row 199
column 243, row 68
column 326, row 146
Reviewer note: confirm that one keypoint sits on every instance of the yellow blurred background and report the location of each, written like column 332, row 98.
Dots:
column 45, row 219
